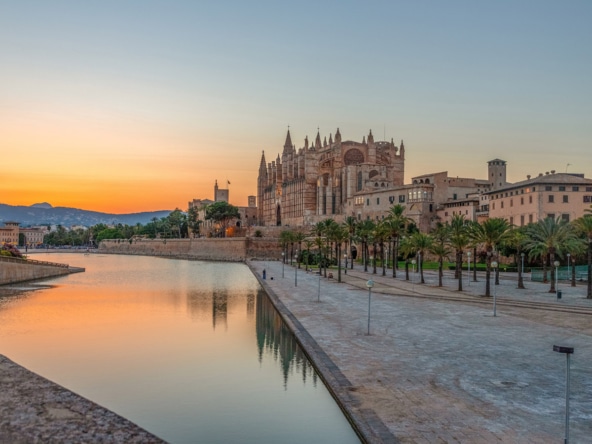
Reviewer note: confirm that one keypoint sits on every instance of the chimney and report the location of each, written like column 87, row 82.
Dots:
column 552, row 171
column 528, row 177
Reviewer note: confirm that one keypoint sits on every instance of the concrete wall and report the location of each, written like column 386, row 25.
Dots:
column 13, row 271
column 228, row 249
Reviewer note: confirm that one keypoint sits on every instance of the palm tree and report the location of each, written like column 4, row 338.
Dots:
column 396, row 223
column 285, row 239
column 489, row 233
column 381, row 234
column 350, row 225
column 318, row 230
column 407, row 250
column 298, row 236
column 516, row 240
column 421, row 243
column 583, row 226
column 458, row 238
column 550, row 236
column 439, row 248
column 366, row 232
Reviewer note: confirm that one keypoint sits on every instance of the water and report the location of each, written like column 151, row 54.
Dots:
column 190, row 351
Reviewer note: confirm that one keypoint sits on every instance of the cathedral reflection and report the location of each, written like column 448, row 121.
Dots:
column 276, row 340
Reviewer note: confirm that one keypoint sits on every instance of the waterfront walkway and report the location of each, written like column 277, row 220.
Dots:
column 438, row 367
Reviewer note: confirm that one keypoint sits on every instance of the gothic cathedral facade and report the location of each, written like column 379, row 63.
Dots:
column 320, row 181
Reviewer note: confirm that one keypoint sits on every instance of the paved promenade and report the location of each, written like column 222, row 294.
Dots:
column 441, row 371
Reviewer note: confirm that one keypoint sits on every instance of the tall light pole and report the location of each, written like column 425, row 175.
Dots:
column 567, row 351
column 283, row 260
column 469, row 262
column 494, row 266
column 369, row 284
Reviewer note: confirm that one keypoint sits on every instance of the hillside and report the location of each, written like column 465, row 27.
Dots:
column 44, row 213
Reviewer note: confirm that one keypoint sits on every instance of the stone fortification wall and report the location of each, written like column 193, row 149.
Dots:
column 18, row 270
column 228, row 249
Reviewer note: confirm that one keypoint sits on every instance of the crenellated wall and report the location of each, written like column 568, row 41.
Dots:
column 228, row 249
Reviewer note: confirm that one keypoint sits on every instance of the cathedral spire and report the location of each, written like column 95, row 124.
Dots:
column 318, row 140
column 288, row 145
column 262, row 164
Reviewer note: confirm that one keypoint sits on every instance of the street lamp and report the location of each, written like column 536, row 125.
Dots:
column 369, row 284
column 413, row 262
column 557, row 293
column 494, row 266
column 568, row 268
column 283, row 260
column 469, row 262
column 345, row 256
column 522, row 257
column 567, row 351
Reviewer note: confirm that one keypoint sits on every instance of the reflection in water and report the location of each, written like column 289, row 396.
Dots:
column 274, row 336
column 191, row 351
column 219, row 308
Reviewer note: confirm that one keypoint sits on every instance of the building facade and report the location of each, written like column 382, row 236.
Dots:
column 323, row 179
column 551, row 194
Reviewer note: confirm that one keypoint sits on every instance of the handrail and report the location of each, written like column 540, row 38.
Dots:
column 31, row 261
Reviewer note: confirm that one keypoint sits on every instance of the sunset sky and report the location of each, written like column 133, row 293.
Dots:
column 126, row 106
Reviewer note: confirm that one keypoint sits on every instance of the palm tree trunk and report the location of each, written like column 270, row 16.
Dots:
column 420, row 265
column 440, row 273
column 553, row 272
column 488, row 277
column 382, row 258
column 520, row 277
column 338, row 261
column 406, row 269
column 459, row 268
column 475, row 264
column 394, row 253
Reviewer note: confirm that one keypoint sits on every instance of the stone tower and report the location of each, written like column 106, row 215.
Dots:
column 496, row 173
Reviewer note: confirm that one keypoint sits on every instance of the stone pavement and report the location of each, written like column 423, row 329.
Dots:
column 442, row 371
column 36, row 410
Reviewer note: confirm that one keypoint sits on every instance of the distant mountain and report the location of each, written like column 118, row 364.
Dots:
column 45, row 214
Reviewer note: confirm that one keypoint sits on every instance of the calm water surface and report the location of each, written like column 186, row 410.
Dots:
column 190, row 351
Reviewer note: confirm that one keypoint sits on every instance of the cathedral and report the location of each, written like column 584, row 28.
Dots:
column 322, row 180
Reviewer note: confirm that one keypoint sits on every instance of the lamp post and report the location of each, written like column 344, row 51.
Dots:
column 369, row 284
column 283, row 260
column 413, row 262
column 567, row 351
column 494, row 266
column 568, row 268
column 345, row 257
column 469, row 262
column 522, row 258
column 296, row 270
column 557, row 293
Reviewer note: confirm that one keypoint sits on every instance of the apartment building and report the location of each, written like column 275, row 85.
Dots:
column 551, row 194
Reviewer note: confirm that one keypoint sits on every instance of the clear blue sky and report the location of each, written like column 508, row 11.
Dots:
column 150, row 101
